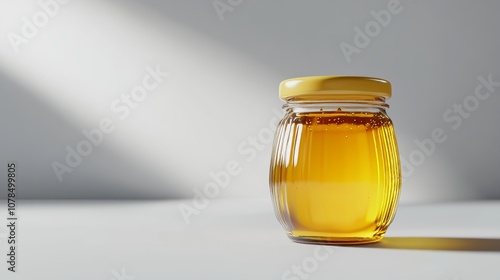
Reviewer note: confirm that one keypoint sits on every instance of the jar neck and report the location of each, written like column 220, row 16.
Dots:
column 303, row 106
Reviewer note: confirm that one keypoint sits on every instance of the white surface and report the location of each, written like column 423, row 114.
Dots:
column 241, row 239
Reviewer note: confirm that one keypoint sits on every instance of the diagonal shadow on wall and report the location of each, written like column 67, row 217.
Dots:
column 34, row 135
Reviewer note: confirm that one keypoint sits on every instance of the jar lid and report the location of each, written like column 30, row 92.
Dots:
column 334, row 87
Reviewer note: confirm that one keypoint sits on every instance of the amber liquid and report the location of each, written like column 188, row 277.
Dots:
column 335, row 176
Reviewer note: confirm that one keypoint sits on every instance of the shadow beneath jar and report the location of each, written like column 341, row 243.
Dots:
column 438, row 244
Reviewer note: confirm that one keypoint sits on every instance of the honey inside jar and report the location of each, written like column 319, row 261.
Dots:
column 335, row 173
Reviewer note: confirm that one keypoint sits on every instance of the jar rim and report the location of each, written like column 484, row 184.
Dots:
column 334, row 87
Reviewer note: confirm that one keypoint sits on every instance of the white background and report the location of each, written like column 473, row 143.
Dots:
column 222, row 89
column 220, row 98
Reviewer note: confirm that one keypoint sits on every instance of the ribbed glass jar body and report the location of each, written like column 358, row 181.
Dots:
column 335, row 172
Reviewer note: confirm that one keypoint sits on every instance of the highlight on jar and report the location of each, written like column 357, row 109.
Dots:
column 335, row 174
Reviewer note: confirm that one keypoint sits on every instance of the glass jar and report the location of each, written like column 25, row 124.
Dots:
column 335, row 173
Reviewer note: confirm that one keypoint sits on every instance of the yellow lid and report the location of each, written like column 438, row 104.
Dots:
column 334, row 87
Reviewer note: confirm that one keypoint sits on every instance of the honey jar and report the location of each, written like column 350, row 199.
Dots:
column 335, row 173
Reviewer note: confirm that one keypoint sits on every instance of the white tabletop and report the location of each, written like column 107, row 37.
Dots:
column 241, row 239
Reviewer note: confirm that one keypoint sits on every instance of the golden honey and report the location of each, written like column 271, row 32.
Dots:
column 335, row 173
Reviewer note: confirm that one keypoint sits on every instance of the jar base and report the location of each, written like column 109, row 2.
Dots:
column 322, row 240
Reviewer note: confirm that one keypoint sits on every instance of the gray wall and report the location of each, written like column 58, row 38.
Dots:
column 221, row 90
